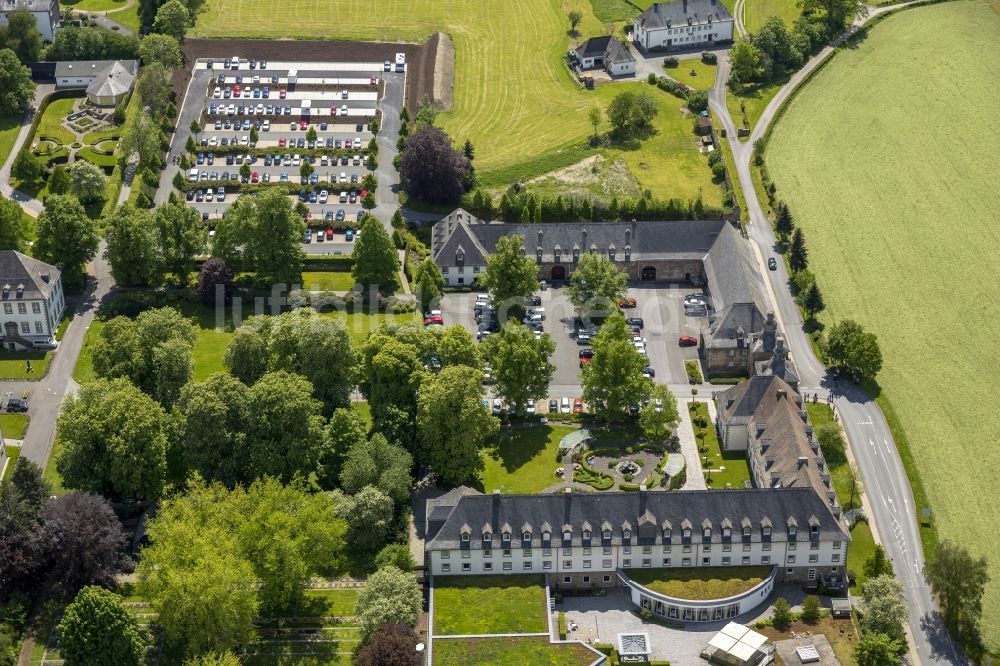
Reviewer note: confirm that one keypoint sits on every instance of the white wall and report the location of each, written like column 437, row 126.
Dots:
column 41, row 317
column 685, row 36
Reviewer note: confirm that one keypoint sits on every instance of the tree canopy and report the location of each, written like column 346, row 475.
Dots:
column 132, row 247
column 596, row 285
column 172, row 19
column 376, row 261
column 958, row 581
column 658, row 418
column 67, row 238
column 212, row 430
column 96, row 629
column 510, row 275
column 631, row 113
column 84, row 541
column 430, row 168
column 87, row 181
column 21, row 35
column 17, row 90
column 390, row 645
column 613, row 380
column 378, row 463
column 390, row 596
column 163, row 49
column 852, row 348
column 884, row 610
column 262, row 233
column 520, row 364
column 13, row 226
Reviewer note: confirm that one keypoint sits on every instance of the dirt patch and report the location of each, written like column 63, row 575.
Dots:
column 444, row 71
column 420, row 58
column 594, row 175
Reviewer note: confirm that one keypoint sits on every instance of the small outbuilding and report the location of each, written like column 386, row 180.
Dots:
column 607, row 53
column 736, row 645
column 112, row 85
column 841, row 607
column 704, row 126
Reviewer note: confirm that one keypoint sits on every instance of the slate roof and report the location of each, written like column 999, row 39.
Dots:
column 38, row 278
column 112, row 81
column 683, row 12
column 625, row 510
column 780, row 432
column 594, row 47
column 91, row 67
column 780, row 365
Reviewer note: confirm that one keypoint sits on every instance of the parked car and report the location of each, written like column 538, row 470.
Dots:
column 586, row 353
column 687, row 341
column 772, row 264
column 553, row 406
column 578, row 406
column 564, row 406
column 634, row 321
column 695, row 299
column 627, row 302
column 648, row 373
column 17, row 405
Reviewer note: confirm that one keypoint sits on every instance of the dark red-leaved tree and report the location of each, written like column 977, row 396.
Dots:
column 391, row 645
column 214, row 272
column 430, row 168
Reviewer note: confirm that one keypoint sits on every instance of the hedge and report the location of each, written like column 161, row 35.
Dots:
column 334, row 262
column 725, row 380
column 679, row 479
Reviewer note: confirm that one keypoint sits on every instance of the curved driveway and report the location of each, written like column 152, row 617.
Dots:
column 890, row 503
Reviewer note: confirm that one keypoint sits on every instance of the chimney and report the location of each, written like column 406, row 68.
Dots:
column 781, row 393
column 803, row 461
column 584, row 243
column 46, row 276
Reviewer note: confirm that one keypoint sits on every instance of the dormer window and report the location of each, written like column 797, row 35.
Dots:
column 726, row 532
column 576, row 254
column 611, row 253
column 567, row 536
column 666, row 534
column 557, row 253
column 505, row 537
column 465, row 537
column 686, row 533
column 706, row 533
column 746, row 531
column 791, row 530
column 628, row 252
column 767, row 532
column 526, row 536
column 606, row 534
column 487, row 536
column 627, row 534
column 546, row 536
column 586, row 535
column 814, row 530
column 460, row 258
column 538, row 254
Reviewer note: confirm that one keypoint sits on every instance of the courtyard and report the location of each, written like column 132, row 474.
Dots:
column 489, row 605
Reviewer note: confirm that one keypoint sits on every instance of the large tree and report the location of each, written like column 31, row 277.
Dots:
column 114, row 440
column 13, row 226
column 345, row 430
column 631, row 113
column 798, row 255
column 172, row 19
column 850, row 347
column 132, row 247
column 390, row 645
column 453, row 423
column 429, row 283
column 28, row 479
column 181, row 238
column 878, row 650
column 883, row 609
column 958, row 580
column 596, row 285
column 163, row 49
column 21, row 36
column 391, row 372
column 784, row 224
column 96, row 629
column 613, row 380
column 454, row 345
column 16, row 87
column 215, row 282
column 66, row 238
column 285, row 430
column 153, row 88
column 87, row 181
column 430, row 168
column 246, row 356
column 376, row 261
column 378, row 463
column 520, row 364
column 211, row 433
column 510, row 275
column 262, row 233
column 838, row 13
column 745, row 59
column 390, row 596
column 658, row 418
column 369, row 518
column 84, row 541
column 173, row 367
column 779, row 53
column 141, row 137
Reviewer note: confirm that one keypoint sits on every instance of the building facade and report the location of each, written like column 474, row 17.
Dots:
column 683, row 24
column 45, row 13
column 82, row 73
column 31, row 302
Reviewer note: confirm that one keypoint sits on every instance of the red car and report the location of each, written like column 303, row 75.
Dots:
column 254, row 177
column 434, row 319
column 281, row 93
column 329, row 234
column 281, row 142
column 374, row 80
column 578, row 406
column 236, row 90
column 303, row 124
column 627, row 302
column 687, row 341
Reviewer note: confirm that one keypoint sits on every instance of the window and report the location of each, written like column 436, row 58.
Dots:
column 506, row 552
column 487, row 552
column 707, row 548
column 766, row 546
column 466, row 566
column 25, row 328
column 465, row 537
column 627, row 549
column 36, row 308
column 726, row 547
column 567, row 579
column 627, row 534
column 791, row 530
column 546, row 537
column 606, row 550
column 38, row 327
column 767, row 532
column 835, row 557
column 647, row 562
column 726, row 532
column 586, row 550
column 706, row 533
column 526, row 552
column 626, row 563
column 746, row 548
column 546, row 552
column 527, row 566
column 568, row 550
column 666, row 549
column 814, row 545
column 586, row 564
column 666, row 535
column 461, row 280
column 586, row 535
column 706, row 561
column 666, row 561
column 745, row 560
column 567, row 564
column 686, row 533
column 547, row 564
column 789, row 572
column 726, row 561
column 526, row 536
column 445, row 568
column 8, row 309
column 22, row 308
column 746, row 532
column 445, row 554
column 487, row 566
column 506, row 566
column 836, row 545
column 646, row 550
column 465, row 554
column 586, row 579
column 605, row 564
column 686, row 562
column 606, row 534
column 765, row 559
column 811, row 574
column 687, row 549
column 813, row 559
column 607, row 579
column 791, row 546
column 791, row 559
column 506, row 537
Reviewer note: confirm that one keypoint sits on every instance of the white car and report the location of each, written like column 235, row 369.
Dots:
column 244, row 140
column 214, row 141
column 343, row 109
column 564, row 406
column 324, row 160
column 357, row 142
column 217, row 93
column 343, row 94
column 231, row 110
column 296, row 160
column 323, row 196
column 343, row 176
column 266, row 126
column 531, row 407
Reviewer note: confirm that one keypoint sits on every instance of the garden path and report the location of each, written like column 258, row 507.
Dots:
column 689, row 446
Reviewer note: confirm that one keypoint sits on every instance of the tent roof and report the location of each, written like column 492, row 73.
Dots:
column 574, row 438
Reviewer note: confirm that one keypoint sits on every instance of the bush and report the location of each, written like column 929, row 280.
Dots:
column 670, row 62
column 810, row 609
column 697, row 101
column 693, row 372
column 782, row 615
column 719, row 171
column 679, row 479
column 628, row 487
column 651, row 79
column 709, row 58
column 562, row 626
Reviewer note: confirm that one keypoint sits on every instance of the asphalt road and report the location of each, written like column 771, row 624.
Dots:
column 890, row 503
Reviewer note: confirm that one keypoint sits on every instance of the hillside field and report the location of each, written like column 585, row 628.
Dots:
column 888, row 160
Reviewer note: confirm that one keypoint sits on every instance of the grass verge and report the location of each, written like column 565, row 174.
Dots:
column 502, row 651
column 523, row 459
column 729, row 468
column 489, row 604
column 13, row 425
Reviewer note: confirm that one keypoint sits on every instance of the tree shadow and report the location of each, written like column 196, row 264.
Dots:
column 515, row 447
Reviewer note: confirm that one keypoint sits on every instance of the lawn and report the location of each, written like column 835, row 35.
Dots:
column 13, row 365
column 700, row 583
column 503, row 651
column 748, row 103
column 736, row 471
column 899, row 220
column 327, row 603
column 836, row 457
column 127, row 16
column 489, row 604
column 93, row 5
column 51, row 123
column 861, row 548
column 842, row 635
column 523, row 460
column 13, row 425
column 327, row 281
column 512, row 96
column 757, row 11
column 10, row 125
column 694, row 73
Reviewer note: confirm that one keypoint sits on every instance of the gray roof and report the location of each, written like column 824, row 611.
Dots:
column 645, row 513
column 607, row 46
column 91, row 67
column 732, row 273
column 683, row 12
column 738, row 325
column 37, row 277
column 780, row 365
column 114, row 80
column 26, row 5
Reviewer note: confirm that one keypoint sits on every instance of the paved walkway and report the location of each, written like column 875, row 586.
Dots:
column 689, row 447
column 29, row 204
column 104, row 18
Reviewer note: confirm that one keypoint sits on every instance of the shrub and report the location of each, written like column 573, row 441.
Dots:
column 670, row 62
column 628, row 487
column 709, row 58
column 782, row 615
column 810, row 609
column 679, row 479
column 697, row 101
column 693, row 372
column 562, row 626
column 719, row 171
column 651, row 79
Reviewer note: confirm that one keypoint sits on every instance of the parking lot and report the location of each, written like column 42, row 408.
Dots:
column 301, row 112
column 664, row 322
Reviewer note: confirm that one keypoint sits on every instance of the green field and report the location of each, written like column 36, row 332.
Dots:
column 13, row 365
column 327, row 281
column 512, row 604
column 757, row 11
column 93, row 5
column 699, row 584
column 513, row 96
column 504, row 651
column 523, row 460
column 747, row 104
column 891, row 182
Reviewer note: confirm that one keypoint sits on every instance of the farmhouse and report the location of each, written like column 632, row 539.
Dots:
column 606, row 53
column 683, row 24
column 592, row 540
column 108, row 75
column 32, row 301
column 46, row 13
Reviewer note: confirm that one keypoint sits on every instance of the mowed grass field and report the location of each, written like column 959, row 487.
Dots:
column 757, row 11
column 887, row 158
column 513, row 96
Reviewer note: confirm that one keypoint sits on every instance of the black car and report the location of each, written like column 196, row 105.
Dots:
column 634, row 321
column 190, row 195
column 17, row 405
column 536, row 300
column 586, row 353
column 359, row 127
column 648, row 373
column 772, row 264
column 553, row 406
